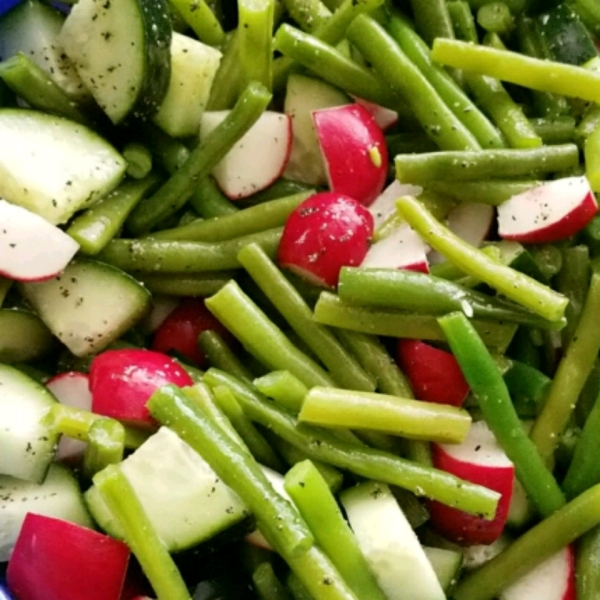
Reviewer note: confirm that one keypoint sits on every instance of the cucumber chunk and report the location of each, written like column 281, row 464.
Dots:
column 446, row 564
column 24, row 336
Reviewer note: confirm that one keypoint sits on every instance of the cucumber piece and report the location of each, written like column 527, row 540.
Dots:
column 446, row 564
column 58, row 496
column 121, row 51
column 24, row 336
column 33, row 28
column 52, row 166
column 184, row 499
column 26, row 445
column 89, row 305
column 193, row 68
column 389, row 544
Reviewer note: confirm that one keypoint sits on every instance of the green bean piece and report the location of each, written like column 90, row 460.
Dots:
column 532, row 73
column 330, row 310
column 458, row 102
column 309, row 14
column 490, row 191
column 402, row 75
column 209, row 201
column 220, row 355
column 140, row 535
column 515, row 6
column 514, row 285
column 589, row 122
column 496, row 17
column 528, row 388
column 592, row 158
column 342, row 366
column 333, row 407
column 318, row 507
column 94, row 228
column 261, row 337
column 532, row 548
column 31, row 83
column 282, row 387
column 571, row 375
column 164, row 256
column 462, row 21
column 225, row 89
column 333, row 30
column 280, row 189
column 254, row 441
column 486, row 164
column 139, row 160
column 320, row 444
column 243, row 222
column 589, row 13
column 105, row 445
column 587, row 574
column 375, row 359
column 180, row 186
column 202, row 20
column 297, row 588
column 559, row 130
column 267, row 584
column 278, row 520
column 255, row 31
column 432, row 19
column 198, row 284
column 169, row 152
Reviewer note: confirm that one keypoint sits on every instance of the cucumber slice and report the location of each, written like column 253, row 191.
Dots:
column 389, row 544
column 89, row 305
column 58, row 496
column 52, row 166
column 24, row 336
column 193, row 68
column 26, row 445
column 446, row 564
column 121, row 50
column 183, row 497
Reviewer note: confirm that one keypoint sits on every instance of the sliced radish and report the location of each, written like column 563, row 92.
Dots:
column 257, row 159
column 480, row 460
column 384, row 117
column 384, row 206
column 325, row 233
column 403, row 248
column 162, row 307
column 122, row 381
column 549, row 212
column 31, row 248
column 58, row 560
column 434, row 374
column 71, row 389
column 354, row 151
column 554, row 579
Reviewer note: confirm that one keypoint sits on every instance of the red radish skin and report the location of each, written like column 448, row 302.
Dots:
column 180, row 330
column 384, row 117
column 354, row 151
column 549, row 212
column 58, row 560
column 326, row 232
column 479, row 460
column 122, row 381
column 434, row 374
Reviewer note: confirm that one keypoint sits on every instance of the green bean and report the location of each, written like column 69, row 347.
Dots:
column 490, row 191
column 515, row 6
column 571, row 374
column 560, row 130
column 243, row 222
column 514, row 285
column 401, row 74
column 589, row 13
column 282, row 387
column 592, row 158
column 180, row 186
column 261, row 337
column 311, row 495
column 220, row 355
column 164, row 256
column 532, row 548
column 432, row 19
column 342, row 366
column 587, row 573
column 458, row 102
column 140, row 535
column 589, row 122
column 309, row 14
column 267, row 584
column 225, row 90
column 496, row 17
column 255, row 32
column 333, row 407
column 279, row 522
column 105, row 444
column 462, row 20
column 330, row 310
column 532, row 73
column 333, row 30
column 139, row 160
column 208, row 200
column 196, row 284
column 485, row 164
column 201, row 19
column 167, row 151
column 408, row 141
column 528, row 388
column 488, row 387
column 320, row 444
column 297, row 588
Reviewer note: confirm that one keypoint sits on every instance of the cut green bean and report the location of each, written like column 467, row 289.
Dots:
column 320, row 510
column 342, row 366
column 180, row 186
column 209, row 201
column 462, row 20
column 528, row 388
column 490, row 191
column 587, row 574
column 532, row 73
column 139, row 160
column 514, row 285
column 309, row 14
column 261, row 337
column 105, row 445
column 282, row 387
column 592, row 158
column 297, row 588
column 140, row 535
column 332, row 407
column 571, row 375
column 204, row 23
column 320, row 444
column 487, row 385
column 225, row 89
column 432, row 19
column 532, row 548
column 220, row 355
column 559, row 130
column 267, row 584
column 255, row 31
column 198, row 284
column 496, row 17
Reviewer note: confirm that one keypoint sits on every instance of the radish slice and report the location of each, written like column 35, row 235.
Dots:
column 31, row 248
column 384, row 205
column 549, row 212
column 384, row 117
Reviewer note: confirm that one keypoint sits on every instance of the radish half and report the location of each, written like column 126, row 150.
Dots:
column 31, row 248
column 384, row 206
column 384, row 117
column 549, row 212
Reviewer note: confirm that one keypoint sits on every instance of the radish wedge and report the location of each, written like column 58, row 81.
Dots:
column 549, row 212
column 384, row 206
